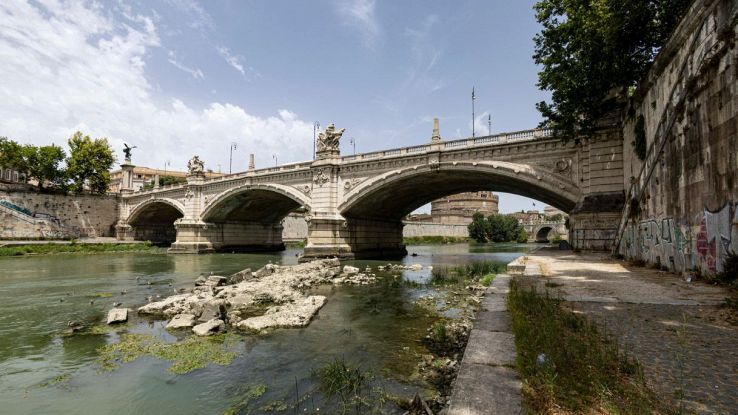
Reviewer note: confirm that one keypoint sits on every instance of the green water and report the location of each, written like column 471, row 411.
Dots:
column 44, row 371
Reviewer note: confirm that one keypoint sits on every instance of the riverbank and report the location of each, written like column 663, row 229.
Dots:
column 24, row 248
column 434, row 240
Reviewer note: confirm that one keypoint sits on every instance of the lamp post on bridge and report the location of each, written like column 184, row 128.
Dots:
column 230, row 161
column 316, row 127
column 276, row 161
column 353, row 143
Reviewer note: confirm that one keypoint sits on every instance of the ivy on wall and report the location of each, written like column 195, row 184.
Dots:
column 640, row 138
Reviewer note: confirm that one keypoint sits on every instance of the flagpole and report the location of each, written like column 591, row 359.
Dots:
column 489, row 124
column 473, row 130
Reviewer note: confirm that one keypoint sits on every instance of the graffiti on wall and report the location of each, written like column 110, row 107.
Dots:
column 702, row 243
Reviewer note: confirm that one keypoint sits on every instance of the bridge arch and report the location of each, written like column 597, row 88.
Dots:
column 249, row 217
column 542, row 233
column 399, row 192
column 153, row 220
column 374, row 209
column 261, row 202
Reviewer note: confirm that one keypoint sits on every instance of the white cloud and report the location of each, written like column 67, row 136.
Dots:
column 199, row 19
column 234, row 61
column 69, row 66
column 360, row 14
column 194, row 72
column 481, row 124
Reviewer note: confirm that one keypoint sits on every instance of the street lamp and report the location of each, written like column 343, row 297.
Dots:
column 276, row 161
column 316, row 127
column 353, row 143
column 230, row 162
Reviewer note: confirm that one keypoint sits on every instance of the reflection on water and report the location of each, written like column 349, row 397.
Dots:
column 375, row 326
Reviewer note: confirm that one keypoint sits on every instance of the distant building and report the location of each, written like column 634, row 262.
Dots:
column 551, row 211
column 145, row 175
column 458, row 209
column 8, row 175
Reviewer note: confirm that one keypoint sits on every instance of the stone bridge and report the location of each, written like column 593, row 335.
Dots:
column 540, row 230
column 354, row 204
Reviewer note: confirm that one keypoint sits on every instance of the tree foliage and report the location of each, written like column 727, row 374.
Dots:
column 594, row 51
column 165, row 181
column 89, row 163
column 496, row 228
column 44, row 165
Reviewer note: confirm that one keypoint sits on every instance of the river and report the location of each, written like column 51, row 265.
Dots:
column 42, row 370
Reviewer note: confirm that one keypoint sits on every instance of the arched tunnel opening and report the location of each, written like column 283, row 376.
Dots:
column 374, row 218
column 250, row 220
column 155, row 223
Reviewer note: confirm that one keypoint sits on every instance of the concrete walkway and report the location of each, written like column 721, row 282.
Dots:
column 487, row 382
column 686, row 341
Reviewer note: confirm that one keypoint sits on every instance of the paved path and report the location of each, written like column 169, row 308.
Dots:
column 487, row 382
column 686, row 341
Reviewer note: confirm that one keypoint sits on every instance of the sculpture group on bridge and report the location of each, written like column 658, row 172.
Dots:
column 328, row 139
column 195, row 166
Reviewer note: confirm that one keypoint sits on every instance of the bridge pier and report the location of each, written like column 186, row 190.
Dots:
column 203, row 237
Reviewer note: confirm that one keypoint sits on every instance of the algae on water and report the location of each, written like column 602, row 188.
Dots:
column 186, row 355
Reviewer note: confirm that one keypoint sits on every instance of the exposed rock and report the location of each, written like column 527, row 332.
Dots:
column 348, row 269
column 270, row 297
column 296, row 314
column 209, row 328
column 415, row 267
column 241, row 276
column 158, row 307
column 200, row 281
column 117, row 315
column 181, row 321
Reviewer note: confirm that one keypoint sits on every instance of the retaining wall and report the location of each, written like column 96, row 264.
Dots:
column 686, row 215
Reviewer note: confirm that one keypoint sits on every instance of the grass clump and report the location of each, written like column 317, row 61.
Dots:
column 568, row 365
column 434, row 240
column 443, row 275
column 351, row 387
column 487, row 280
column 186, row 355
column 47, row 249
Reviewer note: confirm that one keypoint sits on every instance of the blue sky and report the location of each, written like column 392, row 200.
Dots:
column 182, row 77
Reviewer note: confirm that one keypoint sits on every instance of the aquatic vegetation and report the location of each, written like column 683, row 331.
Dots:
column 186, row 355
column 351, row 386
column 252, row 393
column 61, row 381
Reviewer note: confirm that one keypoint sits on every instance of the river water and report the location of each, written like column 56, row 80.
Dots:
column 42, row 370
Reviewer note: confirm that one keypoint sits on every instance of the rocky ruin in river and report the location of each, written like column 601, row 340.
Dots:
column 273, row 296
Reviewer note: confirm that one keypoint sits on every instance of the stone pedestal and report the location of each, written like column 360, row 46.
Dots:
column 126, row 183
column 193, row 237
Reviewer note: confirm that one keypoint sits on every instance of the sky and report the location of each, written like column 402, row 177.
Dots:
column 183, row 77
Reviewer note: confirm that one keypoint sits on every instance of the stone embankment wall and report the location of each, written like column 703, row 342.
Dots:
column 684, row 194
column 295, row 229
column 57, row 216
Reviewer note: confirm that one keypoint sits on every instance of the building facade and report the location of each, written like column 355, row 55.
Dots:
column 146, row 175
column 458, row 209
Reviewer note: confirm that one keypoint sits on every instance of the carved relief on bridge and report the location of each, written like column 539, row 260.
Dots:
column 321, row 176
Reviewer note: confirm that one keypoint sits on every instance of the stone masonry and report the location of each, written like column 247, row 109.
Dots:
column 682, row 202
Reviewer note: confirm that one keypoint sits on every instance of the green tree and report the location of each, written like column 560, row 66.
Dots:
column 593, row 52
column 89, row 163
column 12, row 155
column 479, row 228
column 165, row 181
column 43, row 164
